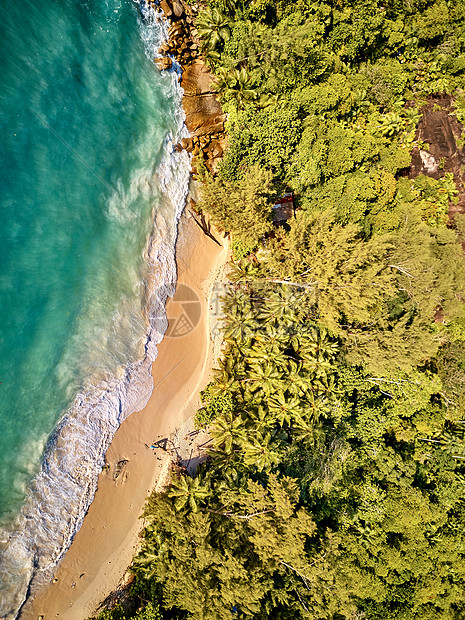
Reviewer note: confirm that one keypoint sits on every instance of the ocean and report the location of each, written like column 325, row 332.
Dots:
column 91, row 189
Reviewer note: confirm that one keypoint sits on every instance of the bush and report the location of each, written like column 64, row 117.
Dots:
column 214, row 405
column 265, row 138
column 242, row 207
column 240, row 249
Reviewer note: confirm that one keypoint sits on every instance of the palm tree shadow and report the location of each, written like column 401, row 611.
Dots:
column 205, row 226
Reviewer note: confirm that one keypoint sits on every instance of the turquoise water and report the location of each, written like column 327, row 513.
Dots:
column 86, row 163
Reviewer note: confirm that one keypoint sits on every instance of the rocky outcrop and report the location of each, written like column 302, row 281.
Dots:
column 163, row 63
column 204, row 116
column 441, row 130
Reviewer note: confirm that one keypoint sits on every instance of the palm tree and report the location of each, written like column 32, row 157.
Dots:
column 325, row 385
column 260, row 421
column 260, row 452
column 413, row 117
column 318, row 366
column 313, row 341
column 297, row 383
column 452, row 444
column 154, row 547
column 227, row 431
column 282, row 306
column 264, row 377
column 269, row 340
column 188, row 493
column 302, row 430
column 226, row 476
column 316, row 407
column 213, row 28
column 240, row 329
column 222, row 79
column 238, row 85
column 227, row 376
column 267, row 100
column 236, row 302
column 269, row 345
column 285, row 409
column 211, row 57
column 238, row 308
column 243, row 271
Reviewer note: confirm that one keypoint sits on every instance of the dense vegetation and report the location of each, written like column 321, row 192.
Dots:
column 336, row 482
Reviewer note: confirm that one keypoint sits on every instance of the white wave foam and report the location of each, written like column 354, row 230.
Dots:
column 61, row 493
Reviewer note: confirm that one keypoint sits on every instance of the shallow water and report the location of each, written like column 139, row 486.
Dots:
column 87, row 165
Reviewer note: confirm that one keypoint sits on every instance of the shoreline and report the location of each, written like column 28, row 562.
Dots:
column 103, row 548
column 96, row 563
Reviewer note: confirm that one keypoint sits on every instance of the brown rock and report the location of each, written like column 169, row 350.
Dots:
column 165, row 7
column 187, row 144
column 197, row 81
column 217, row 150
column 163, row 63
column 178, row 9
column 175, row 29
column 204, row 115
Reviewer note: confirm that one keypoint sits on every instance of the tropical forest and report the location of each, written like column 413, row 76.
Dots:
column 334, row 486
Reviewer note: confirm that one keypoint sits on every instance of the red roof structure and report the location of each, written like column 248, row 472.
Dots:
column 283, row 210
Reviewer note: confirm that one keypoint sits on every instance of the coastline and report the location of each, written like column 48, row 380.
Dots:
column 105, row 545
column 96, row 563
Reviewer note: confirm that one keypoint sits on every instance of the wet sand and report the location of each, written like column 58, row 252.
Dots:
column 104, row 546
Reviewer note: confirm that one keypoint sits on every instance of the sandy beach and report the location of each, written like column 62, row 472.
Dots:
column 104, row 546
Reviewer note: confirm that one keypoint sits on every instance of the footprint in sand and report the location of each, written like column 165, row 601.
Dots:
column 119, row 469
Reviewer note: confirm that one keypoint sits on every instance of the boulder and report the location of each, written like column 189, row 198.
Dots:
column 175, row 30
column 187, row 144
column 204, row 116
column 217, row 150
column 165, row 7
column 178, row 9
column 197, row 80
